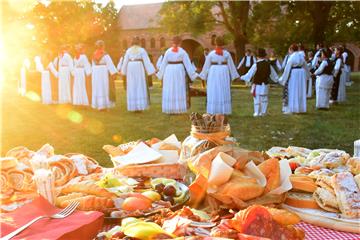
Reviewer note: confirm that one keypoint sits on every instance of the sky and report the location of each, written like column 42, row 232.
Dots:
column 120, row 3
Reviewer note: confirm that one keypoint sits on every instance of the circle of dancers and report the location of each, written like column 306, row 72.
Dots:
column 84, row 82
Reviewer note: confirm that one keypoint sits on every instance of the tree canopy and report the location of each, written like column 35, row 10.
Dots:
column 267, row 24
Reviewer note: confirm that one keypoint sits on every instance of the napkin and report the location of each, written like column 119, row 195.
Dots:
column 79, row 225
column 221, row 169
column 140, row 154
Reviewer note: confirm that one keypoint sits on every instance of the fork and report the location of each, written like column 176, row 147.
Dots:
column 62, row 214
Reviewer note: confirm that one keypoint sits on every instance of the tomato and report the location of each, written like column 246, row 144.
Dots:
column 293, row 165
column 136, row 203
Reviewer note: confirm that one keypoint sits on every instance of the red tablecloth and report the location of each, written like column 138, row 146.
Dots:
column 319, row 233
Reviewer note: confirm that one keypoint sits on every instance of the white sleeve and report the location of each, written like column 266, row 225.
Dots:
column 110, row 65
column 321, row 68
column 250, row 74
column 124, row 64
column 162, row 67
column 286, row 74
column 158, row 63
column 189, row 68
column 241, row 63
column 233, row 72
column 278, row 65
column 337, row 67
column 52, row 69
column 70, row 61
column 273, row 74
column 38, row 65
column 87, row 66
column 118, row 67
column 205, row 69
column 284, row 62
column 149, row 67
column 254, row 60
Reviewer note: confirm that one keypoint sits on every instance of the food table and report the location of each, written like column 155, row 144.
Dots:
column 206, row 186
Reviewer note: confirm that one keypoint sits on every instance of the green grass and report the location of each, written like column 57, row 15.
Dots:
column 32, row 124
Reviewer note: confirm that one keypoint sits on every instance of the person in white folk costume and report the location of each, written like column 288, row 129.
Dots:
column 81, row 70
column 347, row 68
column 64, row 64
column 324, row 80
column 22, row 83
column 46, row 67
column 310, row 57
column 337, row 59
column 247, row 61
column 218, row 72
column 294, row 80
column 342, row 84
column 135, row 67
column 259, row 75
column 174, row 67
column 102, row 65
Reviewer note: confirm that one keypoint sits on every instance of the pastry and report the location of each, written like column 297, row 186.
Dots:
column 301, row 200
column 302, row 183
column 357, row 180
column 63, row 169
column 347, row 194
column 271, row 169
column 46, row 150
column 113, row 151
column 326, row 200
column 22, row 154
column 321, row 172
column 303, row 171
column 90, row 202
column 67, row 197
column 45, row 184
column 20, row 180
column 88, row 187
column 326, row 183
column 7, row 163
column 354, row 165
column 283, row 216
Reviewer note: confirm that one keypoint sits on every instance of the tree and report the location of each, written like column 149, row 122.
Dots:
column 279, row 24
column 199, row 17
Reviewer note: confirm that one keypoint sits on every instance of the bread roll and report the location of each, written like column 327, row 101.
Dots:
column 301, row 200
column 271, row 169
column 354, row 165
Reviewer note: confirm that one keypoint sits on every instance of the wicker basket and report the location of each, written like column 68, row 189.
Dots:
column 166, row 170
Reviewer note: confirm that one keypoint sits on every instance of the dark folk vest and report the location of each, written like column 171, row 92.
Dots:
column 262, row 73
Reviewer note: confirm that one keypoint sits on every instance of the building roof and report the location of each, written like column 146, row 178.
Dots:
column 140, row 16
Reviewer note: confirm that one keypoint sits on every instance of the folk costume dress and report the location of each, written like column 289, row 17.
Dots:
column 347, row 68
column 65, row 65
column 102, row 65
column 342, row 85
column 337, row 75
column 46, row 71
column 294, row 81
column 259, row 75
column 324, row 82
column 246, row 63
column 218, row 71
column 82, row 69
column 135, row 67
column 173, row 69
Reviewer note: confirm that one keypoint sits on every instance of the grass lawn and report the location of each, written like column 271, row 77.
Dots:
column 84, row 130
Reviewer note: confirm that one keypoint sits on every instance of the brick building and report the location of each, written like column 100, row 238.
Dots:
column 142, row 20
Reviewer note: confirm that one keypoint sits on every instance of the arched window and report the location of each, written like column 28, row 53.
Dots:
column 162, row 42
column 152, row 42
column 213, row 39
column 124, row 44
column 143, row 42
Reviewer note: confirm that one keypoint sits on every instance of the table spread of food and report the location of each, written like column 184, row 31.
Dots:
column 205, row 187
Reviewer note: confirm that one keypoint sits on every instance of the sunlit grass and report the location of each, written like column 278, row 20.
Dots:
column 78, row 129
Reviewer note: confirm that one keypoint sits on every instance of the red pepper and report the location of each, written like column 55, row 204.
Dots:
column 293, row 165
